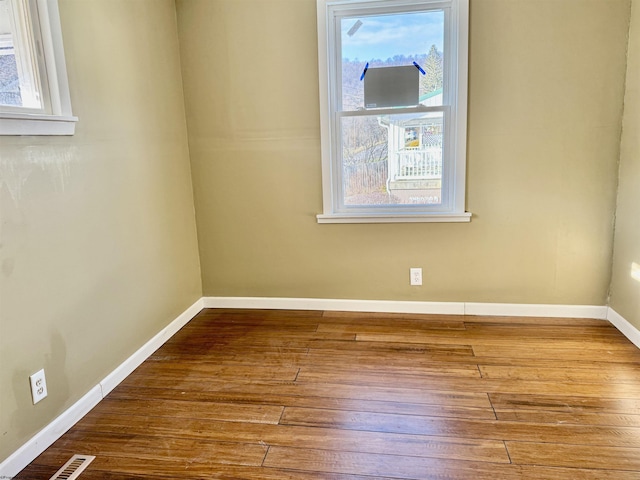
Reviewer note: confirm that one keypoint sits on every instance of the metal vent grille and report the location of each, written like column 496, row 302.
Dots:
column 73, row 468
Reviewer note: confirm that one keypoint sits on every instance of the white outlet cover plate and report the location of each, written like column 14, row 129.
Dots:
column 38, row 386
column 416, row 276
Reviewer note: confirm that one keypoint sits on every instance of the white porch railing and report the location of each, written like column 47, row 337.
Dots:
column 418, row 163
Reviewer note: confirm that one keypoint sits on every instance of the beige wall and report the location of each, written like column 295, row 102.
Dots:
column 546, row 90
column 625, row 291
column 97, row 243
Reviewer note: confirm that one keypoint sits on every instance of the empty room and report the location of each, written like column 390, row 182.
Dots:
column 318, row 239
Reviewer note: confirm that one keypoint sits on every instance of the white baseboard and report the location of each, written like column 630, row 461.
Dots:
column 389, row 306
column 22, row 457
column 382, row 306
column 112, row 380
column 626, row 328
column 526, row 310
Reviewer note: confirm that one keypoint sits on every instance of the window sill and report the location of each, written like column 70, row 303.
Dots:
column 394, row 218
column 22, row 124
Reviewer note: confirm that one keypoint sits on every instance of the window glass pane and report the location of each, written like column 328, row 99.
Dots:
column 389, row 41
column 9, row 81
column 19, row 80
column 364, row 161
column 392, row 159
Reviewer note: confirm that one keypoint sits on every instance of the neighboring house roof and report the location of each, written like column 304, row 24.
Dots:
column 411, row 119
column 429, row 95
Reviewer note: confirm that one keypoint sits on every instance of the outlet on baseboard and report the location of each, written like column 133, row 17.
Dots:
column 416, row 276
column 38, row 386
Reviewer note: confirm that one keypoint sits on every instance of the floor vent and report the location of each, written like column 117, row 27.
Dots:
column 73, row 468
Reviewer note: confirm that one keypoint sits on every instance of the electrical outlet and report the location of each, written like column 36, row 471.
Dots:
column 38, row 386
column 416, row 276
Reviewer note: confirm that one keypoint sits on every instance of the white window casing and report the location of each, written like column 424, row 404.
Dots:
column 41, row 67
column 452, row 111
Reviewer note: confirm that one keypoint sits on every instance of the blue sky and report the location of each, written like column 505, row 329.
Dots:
column 383, row 36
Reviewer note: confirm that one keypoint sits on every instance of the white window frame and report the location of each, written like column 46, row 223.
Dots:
column 456, row 72
column 40, row 39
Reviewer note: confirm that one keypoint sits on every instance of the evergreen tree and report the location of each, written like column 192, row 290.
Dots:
column 433, row 67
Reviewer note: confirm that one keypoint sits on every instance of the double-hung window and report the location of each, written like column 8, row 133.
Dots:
column 34, row 91
column 393, row 104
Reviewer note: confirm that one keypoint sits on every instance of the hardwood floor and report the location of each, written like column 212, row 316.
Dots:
column 264, row 395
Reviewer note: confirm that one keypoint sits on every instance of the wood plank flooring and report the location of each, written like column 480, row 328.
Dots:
column 266, row 395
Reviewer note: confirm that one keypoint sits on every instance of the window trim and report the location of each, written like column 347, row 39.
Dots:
column 57, row 117
column 458, row 82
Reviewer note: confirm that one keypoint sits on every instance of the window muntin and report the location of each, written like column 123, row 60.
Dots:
column 403, row 162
